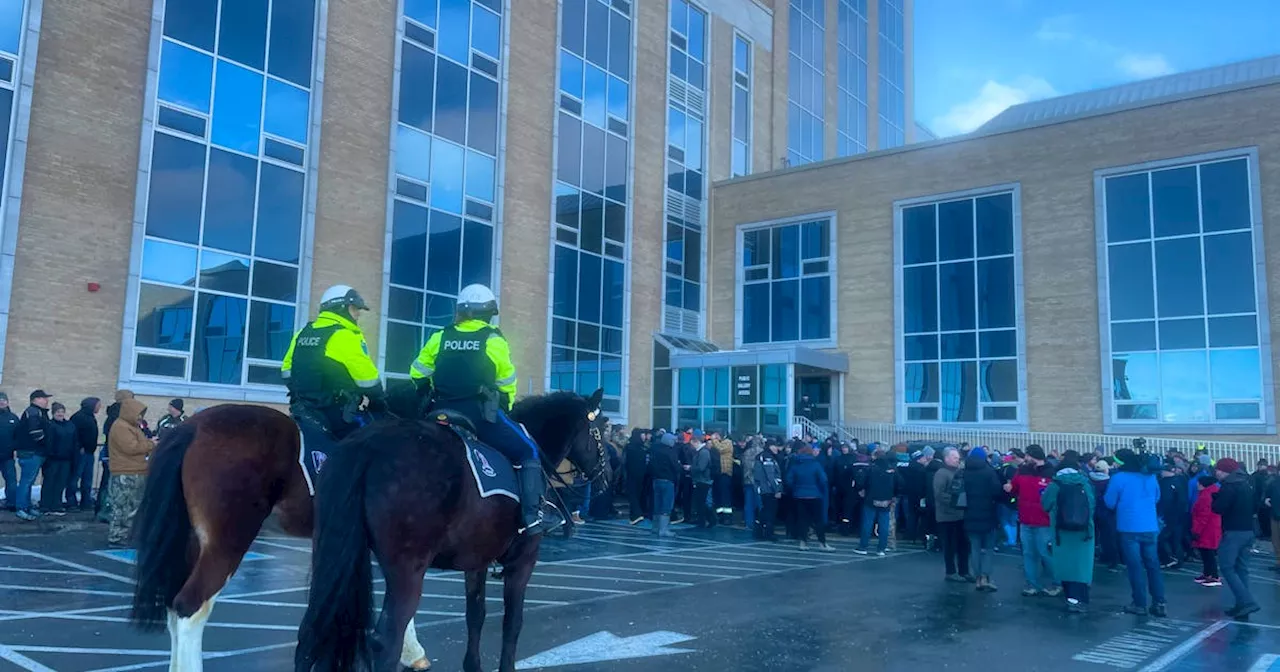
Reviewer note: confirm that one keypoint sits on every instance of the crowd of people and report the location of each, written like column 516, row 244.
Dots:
column 1063, row 513
column 63, row 452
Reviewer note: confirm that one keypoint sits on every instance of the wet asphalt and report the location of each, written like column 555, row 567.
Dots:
column 706, row 601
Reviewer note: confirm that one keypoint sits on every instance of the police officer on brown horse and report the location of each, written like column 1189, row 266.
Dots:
column 469, row 366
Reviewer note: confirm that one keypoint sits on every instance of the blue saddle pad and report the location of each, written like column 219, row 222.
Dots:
column 492, row 471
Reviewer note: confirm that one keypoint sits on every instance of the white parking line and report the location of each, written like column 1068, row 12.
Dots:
column 79, row 591
column 728, row 562
column 795, row 556
column 72, row 565
column 663, row 563
column 643, row 570
column 73, row 572
column 290, row 547
column 611, row 578
column 72, row 649
column 22, row 661
column 537, row 585
column 1184, row 648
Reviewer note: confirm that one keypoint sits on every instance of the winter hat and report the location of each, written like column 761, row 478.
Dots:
column 1035, row 452
column 669, row 440
column 979, row 452
column 123, row 394
column 928, row 453
column 176, row 403
column 1227, row 465
column 1205, row 461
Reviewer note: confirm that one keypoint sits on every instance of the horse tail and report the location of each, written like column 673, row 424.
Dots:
column 162, row 532
column 339, row 612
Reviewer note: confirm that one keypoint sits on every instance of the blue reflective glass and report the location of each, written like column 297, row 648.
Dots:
column 403, row 344
column 998, row 381
column 919, row 233
column 273, row 281
column 573, row 15
column 186, row 76
column 422, row 11
column 996, row 287
column 589, row 287
column 280, row 204
column 1179, row 289
column 955, row 230
column 697, row 33
column 282, row 151
column 565, row 294
column 229, row 201
column 1181, row 334
column 1133, row 336
column 455, row 29
column 177, row 189
column 1236, row 374
column 815, row 309
column 785, row 320
column 959, row 346
column 613, row 293
column 165, row 116
column 692, row 297
column 619, row 101
column 292, row 40
column 1129, row 282
column 1229, row 273
column 595, row 99
column 168, row 263
column 917, row 348
column 690, row 387
column 610, row 375
column 192, row 21
column 693, row 143
column 1224, row 195
column 288, row 111
column 451, row 102
column 223, row 272
column 1233, row 332
column 482, row 129
column 1174, row 203
column 1184, row 386
column 219, row 339
column 404, row 304
column 1135, row 376
column 1128, row 205
column 486, row 31
column 446, row 176
column 786, row 252
column 920, row 383
column 237, row 108
column 615, row 172
column 598, row 33
column 588, row 373
column 242, row 32
column 995, row 225
column 480, row 176
column 571, row 74
column 958, row 396
column 444, row 252
column 413, row 153
column 593, row 160
column 569, row 150
column 620, row 45
column 417, row 86
column 955, row 296
column 270, row 330
column 755, row 313
column 440, row 309
column 164, row 317
column 999, row 343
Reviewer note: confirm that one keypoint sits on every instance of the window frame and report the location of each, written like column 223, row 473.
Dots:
column 846, row 96
column 891, row 85
column 245, row 391
column 899, row 318
column 1110, row 425
column 832, row 340
column 793, row 154
column 739, row 36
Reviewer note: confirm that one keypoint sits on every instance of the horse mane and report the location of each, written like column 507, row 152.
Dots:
column 552, row 419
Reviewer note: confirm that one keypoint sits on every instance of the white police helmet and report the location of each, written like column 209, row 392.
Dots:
column 477, row 301
column 341, row 296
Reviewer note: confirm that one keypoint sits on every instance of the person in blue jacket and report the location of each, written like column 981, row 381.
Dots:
column 1133, row 494
column 807, row 482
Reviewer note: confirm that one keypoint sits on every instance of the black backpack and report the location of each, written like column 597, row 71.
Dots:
column 1073, row 508
column 955, row 491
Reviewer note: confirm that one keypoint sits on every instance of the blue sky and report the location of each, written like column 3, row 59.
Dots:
column 976, row 57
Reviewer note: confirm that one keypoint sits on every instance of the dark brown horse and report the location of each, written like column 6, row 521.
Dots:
column 211, row 484
column 406, row 494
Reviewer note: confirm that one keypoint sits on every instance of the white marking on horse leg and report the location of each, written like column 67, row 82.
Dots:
column 172, row 627
column 412, row 655
column 188, row 654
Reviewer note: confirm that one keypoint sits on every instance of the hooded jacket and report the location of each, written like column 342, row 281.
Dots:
column 1206, row 526
column 128, row 443
column 86, row 424
column 766, row 474
column 983, row 494
column 8, row 423
column 749, row 458
column 884, row 481
column 1028, row 485
column 663, row 463
column 703, row 456
column 636, row 458
column 1234, row 502
column 1133, row 495
column 725, row 449
column 1073, row 549
column 944, row 512
column 806, row 479
column 62, row 444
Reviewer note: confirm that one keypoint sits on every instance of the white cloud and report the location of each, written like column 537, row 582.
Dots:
column 994, row 98
column 1144, row 66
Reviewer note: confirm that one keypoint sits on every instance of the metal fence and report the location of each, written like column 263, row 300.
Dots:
column 1247, row 453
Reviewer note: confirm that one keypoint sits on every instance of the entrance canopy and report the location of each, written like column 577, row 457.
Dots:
column 836, row 362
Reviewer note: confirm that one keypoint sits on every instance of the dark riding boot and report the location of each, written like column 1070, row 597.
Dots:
column 532, row 487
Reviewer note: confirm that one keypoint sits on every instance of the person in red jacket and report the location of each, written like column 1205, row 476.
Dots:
column 1206, row 531
column 1033, row 523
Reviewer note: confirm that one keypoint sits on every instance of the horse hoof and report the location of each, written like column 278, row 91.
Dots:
column 421, row 664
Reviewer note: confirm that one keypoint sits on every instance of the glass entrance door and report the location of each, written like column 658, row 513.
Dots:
column 813, row 396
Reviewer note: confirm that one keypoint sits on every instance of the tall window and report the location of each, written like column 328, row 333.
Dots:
column 742, row 54
column 959, row 327
column 1184, row 314
column 592, row 185
column 444, row 189
column 851, row 50
column 785, row 276
column 893, row 80
column 229, row 145
column 686, row 169
column 806, row 81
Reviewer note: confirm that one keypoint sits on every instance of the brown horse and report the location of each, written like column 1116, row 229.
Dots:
column 212, row 483
column 406, row 494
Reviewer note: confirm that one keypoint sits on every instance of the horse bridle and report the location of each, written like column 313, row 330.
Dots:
column 601, row 461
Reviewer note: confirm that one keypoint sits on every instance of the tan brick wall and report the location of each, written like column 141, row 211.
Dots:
column 720, row 121
column 78, row 200
column 526, row 225
column 764, row 104
column 1055, row 166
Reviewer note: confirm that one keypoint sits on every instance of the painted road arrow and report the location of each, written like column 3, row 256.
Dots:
column 607, row 646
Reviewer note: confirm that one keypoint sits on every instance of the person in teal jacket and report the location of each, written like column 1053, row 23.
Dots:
column 1073, row 550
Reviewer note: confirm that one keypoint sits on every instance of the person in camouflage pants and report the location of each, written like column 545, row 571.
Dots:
column 130, row 448
column 124, row 497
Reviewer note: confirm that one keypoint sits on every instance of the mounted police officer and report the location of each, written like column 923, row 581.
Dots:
column 469, row 366
column 328, row 370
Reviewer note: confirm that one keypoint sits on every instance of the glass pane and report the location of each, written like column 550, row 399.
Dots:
column 1128, row 208
column 480, row 176
column 486, row 31
column 921, row 383
column 785, row 311
column 569, row 152
column 1184, row 386
column 224, row 273
column 440, row 310
column 1133, row 336
column 1224, row 195
column 1231, row 332
column 786, row 252
column 998, row 343
column 1129, row 282
column 589, row 278
column 610, row 375
column 482, row 129
column 404, row 341
column 958, row 400
column 444, row 240
column 593, row 162
column 177, row 188
column 288, row 111
column 955, row 296
column 565, row 296
column 228, row 208
column 573, row 22
column 1181, row 334
column 186, row 76
column 689, row 387
column 741, row 113
column 918, row 234
column 1135, row 376
column 270, row 330
column 446, row 177
column 922, row 413
column 955, row 230
column 1236, row 374
column 619, row 99
column 1137, row 412
column 168, row 263
column 455, row 20
column 697, row 29
column 615, row 221
column 176, row 367
column 1174, row 201
column 920, row 299
column 999, row 380
column 192, row 21
column 413, row 153
column 917, row 348
column 775, row 381
column 995, row 225
column 815, row 313
column 1229, row 273
column 959, row 346
column 477, row 253
column 292, row 40
column 613, row 293
column 755, row 313
column 451, row 101
column 219, row 340
column 1178, row 285
column 417, row 86
column 408, row 244
column 1004, row 413
column 165, row 116
column 996, row 301
column 243, row 32
column 404, row 304
column 279, row 214
column 273, row 281
column 815, row 243
column 164, row 317
column 1238, row 411
column 237, row 109
column 592, row 223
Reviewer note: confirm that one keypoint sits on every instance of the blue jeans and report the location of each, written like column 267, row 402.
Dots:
column 750, row 504
column 1035, row 556
column 9, row 472
column 1009, row 524
column 1234, row 556
column 81, row 480
column 664, row 497
column 29, row 464
column 873, row 516
column 1139, row 552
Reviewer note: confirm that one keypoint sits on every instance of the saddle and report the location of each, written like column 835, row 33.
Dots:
column 493, row 473
column 454, row 420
